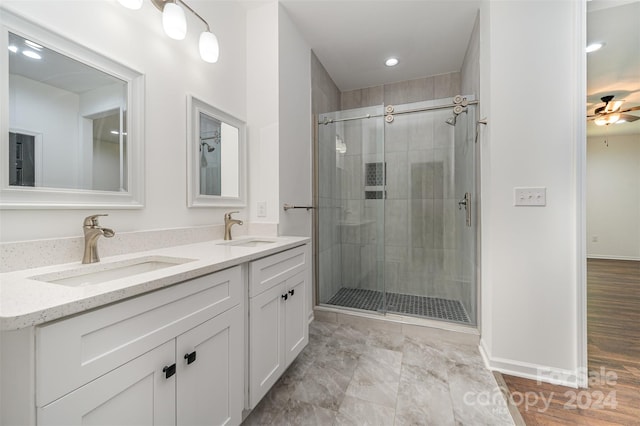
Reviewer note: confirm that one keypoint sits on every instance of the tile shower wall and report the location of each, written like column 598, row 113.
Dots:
column 420, row 210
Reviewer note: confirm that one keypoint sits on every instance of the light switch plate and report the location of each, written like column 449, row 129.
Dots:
column 530, row 196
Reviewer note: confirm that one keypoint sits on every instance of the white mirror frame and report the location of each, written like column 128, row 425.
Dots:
column 195, row 199
column 14, row 197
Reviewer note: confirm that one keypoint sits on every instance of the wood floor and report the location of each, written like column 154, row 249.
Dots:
column 613, row 321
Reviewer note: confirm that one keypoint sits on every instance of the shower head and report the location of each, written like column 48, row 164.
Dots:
column 209, row 147
column 451, row 120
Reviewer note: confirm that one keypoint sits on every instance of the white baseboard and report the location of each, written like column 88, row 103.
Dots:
column 611, row 257
column 540, row 373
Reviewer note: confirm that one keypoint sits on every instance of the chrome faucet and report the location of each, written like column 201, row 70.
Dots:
column 228, row 223
column 92, row 231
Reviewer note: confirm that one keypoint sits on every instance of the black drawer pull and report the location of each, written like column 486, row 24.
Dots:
column 169, row 371
column 190, row 357
column 291, row 291
column 285, row 296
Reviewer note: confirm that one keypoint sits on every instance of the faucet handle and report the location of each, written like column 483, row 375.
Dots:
column 228, row 215
column 92, row 221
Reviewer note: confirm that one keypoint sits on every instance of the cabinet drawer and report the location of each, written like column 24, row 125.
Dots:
column 272, row 270
column 74, row 351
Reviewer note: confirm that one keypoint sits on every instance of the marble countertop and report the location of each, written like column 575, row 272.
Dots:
column 25, row 301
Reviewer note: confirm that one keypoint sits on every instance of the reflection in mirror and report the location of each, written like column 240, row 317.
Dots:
column 75, row 110
column 72, row 136
column 216, row 148
column 219, row 157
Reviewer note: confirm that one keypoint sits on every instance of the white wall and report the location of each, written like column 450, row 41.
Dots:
column 295, row 127
column 172, row 70
column 613, row 197
column 530, row 259
column 263, row 110
column 279, row 113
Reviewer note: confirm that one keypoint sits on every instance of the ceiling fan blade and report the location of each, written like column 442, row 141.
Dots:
column 629, row 118
column 635, row 108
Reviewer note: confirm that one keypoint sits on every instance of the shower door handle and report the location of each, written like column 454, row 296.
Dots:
column 466, row 202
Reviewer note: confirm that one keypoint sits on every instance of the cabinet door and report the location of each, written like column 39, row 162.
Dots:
column 266, row 357
column 296, row 320
column 210, row 380
column 136, row 393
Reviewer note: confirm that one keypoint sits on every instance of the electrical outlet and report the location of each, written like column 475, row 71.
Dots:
column 262, row 209
column 530, row 196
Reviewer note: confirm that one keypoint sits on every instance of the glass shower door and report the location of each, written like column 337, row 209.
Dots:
column 429, row 248
column 351, row 192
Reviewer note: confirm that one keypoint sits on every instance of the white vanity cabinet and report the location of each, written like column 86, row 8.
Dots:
column 279, row 288
column 173, row 356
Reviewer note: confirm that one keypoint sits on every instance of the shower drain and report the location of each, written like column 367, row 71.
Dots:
column 372, row 300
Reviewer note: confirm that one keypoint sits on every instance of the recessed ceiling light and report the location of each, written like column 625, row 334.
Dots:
column 33, row 45
column 391, row 62
column 31, row 54
column 13, row 48
column 594, row 46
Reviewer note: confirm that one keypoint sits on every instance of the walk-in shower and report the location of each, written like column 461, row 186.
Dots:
column 396, row 228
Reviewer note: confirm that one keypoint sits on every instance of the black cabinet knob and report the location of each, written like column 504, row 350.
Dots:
column 169, row 370
column 291, row 291
column 190, row 357
column 285, row 296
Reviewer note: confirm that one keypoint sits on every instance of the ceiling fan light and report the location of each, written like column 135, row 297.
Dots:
column 174, row 22
column 600, row 121
column 612, row 118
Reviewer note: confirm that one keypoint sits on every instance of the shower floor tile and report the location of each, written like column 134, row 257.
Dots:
column 372, row 300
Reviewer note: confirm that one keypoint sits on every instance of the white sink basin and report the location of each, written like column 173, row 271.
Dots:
column 250, row 242
column 102, row 272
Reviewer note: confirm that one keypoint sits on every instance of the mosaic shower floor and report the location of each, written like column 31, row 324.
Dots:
column 372, row 300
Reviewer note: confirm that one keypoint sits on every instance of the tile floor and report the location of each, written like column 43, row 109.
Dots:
column 358, row 375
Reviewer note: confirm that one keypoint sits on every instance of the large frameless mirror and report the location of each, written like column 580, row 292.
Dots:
column 216, row 153
column 71, row 131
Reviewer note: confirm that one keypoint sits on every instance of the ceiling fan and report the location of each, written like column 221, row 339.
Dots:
column 610, row 112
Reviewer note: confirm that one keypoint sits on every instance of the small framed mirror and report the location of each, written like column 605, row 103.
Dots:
column 71, row 133
column 216, row 147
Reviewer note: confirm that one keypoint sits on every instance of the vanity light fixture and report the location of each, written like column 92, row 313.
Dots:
column 174, row 23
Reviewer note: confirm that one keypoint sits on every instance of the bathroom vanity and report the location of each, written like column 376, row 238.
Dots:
column 191, row 334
